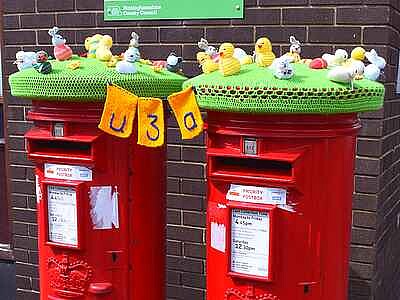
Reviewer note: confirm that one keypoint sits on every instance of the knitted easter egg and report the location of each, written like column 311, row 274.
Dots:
column 318, row 63
column 62, row 52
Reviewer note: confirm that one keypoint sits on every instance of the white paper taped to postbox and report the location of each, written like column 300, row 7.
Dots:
column 104, row 207
column 68, row 172
column 218, row 236
column 256, row 194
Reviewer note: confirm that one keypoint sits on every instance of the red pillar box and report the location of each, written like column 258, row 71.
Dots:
column 280, row 157
column 100, row 198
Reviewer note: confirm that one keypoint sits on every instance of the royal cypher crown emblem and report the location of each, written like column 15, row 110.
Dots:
column 233, row 294
column 68, row 277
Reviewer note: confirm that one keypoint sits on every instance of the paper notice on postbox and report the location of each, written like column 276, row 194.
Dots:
column 68, row 172
column 256, row 194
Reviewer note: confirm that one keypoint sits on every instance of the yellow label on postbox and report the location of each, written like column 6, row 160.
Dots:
column 119, row 112
column 151, row 122
column 187, row 113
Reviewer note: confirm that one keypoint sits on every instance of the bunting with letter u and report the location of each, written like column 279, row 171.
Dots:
column 119, row 112
column 151, row 122
column 187, row 113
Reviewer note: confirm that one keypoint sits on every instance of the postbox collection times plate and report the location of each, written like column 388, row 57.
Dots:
column 250, row 242
column 62, row 215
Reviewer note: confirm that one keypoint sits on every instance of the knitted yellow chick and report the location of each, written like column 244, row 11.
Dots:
column 228, row 65
column 91, row 44
column 103, row 51
column 207, row 64
column 264, row 54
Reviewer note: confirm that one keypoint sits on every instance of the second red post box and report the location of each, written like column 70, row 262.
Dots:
column 279, row 205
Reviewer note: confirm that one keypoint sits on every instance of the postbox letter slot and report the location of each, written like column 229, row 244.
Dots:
column 252, row 166
column 57, row 148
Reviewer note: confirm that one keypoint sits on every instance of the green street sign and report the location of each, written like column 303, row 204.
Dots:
column 120, row 10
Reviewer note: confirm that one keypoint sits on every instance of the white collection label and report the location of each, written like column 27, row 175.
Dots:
column 62, row 215
column 256, row 194
column 38, row 189
column 68, row 172
column 250, row 240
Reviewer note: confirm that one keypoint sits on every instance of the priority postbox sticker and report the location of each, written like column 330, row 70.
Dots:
column 68, row 172
column 256, row 194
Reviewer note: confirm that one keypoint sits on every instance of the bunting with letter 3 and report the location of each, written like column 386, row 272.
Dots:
column 151, row 125
column 119, row 112
column 187, row 113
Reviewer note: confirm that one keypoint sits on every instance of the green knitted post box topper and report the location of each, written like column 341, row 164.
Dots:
column 256, row 90
column 89, row 82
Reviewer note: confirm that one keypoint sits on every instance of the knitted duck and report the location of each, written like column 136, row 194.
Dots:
column 91, row 45
column 103, row 51
column 346, row 74
column 264, row 54
column 356, row 60
column 207, row 64
column 338, row 59
column 228, row 65
column 61, row 50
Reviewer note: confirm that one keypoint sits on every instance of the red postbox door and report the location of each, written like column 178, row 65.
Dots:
column 279, row 206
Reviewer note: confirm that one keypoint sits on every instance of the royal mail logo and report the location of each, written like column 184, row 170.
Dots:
column 68, row 172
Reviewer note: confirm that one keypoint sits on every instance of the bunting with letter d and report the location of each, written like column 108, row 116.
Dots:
column 120, row 110
column 187, row 113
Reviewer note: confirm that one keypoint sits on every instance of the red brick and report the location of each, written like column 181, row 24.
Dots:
column 183, row 35
column 235, row 34
column 309, row 15
column 282, row 2
column 76, row 20
column 337, row 35
column 51, row 5
column 281, row 34
column 19, row 6
column 379, row 15
column 257, row 16
column 38, row 21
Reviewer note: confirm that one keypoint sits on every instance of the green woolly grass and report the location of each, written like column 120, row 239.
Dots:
column 256, row 90
column 89, row 82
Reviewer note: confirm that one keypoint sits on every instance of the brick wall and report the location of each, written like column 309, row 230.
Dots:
column 320, row 24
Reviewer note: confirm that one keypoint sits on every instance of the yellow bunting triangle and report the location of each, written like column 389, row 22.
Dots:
column 151, row 124
column 187, row 113
column 119, row 112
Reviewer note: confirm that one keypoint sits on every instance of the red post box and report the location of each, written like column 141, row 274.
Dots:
column 101, row 207
column 279, row 205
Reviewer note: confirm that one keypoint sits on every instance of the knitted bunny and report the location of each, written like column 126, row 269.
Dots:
column 210, row 50
column 378, row 63
column 61, row 50
column 134, row 41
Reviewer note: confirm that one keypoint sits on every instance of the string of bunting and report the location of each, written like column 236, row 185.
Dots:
column 120, row 111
